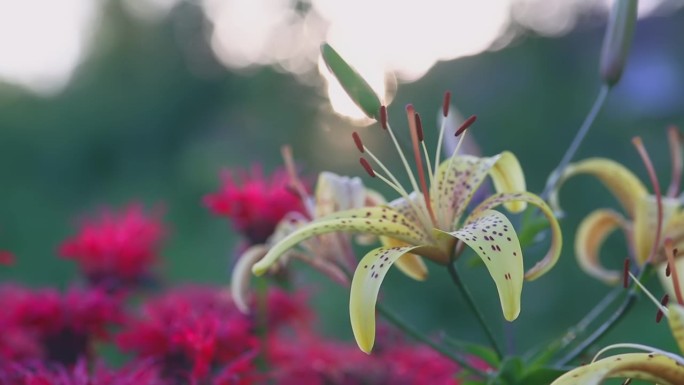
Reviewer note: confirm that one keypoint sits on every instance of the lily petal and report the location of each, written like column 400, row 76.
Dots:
column 411, row 264
column 652, row 367
column 646, row 222
column 493, row 238
column 336, row 193
column 621, row 182
column 242, row 274
column 375, row 220
column 365, row 286
column 676, row 319
column 591, row 234
column 453, row 192
column 552, row 255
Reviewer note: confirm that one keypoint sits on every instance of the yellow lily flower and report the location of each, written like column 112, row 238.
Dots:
column 654, row 365
column 328, row 253
column 642, row 224
column 428, row 222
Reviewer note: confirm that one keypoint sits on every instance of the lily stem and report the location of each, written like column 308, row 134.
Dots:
column 541, row 355
column 409, row 330
column 610, row 323
column 574, row 146
column 471, row 303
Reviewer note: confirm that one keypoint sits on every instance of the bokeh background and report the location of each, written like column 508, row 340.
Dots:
column 107, row 102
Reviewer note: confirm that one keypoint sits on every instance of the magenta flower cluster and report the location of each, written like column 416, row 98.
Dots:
column 186, row 334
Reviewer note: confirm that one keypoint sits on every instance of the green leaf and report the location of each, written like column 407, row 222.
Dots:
column 511, row 370
column 482, row 352
column 356, row 87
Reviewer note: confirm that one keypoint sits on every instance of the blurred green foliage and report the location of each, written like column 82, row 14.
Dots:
column 148, row 119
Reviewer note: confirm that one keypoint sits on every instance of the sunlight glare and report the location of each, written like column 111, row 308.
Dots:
column 42, row 41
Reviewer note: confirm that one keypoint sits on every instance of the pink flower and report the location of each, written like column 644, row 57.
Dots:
column 37, row 373
column 45, row 324
column 115, row 248
column 6, row 258
column 254, row 203
column 191, row 332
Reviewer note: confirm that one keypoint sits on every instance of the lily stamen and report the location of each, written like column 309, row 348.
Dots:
column 390, row 180
column 625, row 274
column 663, row 303
column 660, row 307
column 671, row 254
column 414, row 123
column 656, row 190
column 674, row 139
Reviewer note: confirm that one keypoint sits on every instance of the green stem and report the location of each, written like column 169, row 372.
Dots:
column 542, row 354
column 409, row 330
column 471, row 303
column 579, row 137
column 610, row 323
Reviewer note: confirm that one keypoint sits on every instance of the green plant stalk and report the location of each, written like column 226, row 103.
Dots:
column 409, row 330
column 540, row 355
column 576, row 142
column 611, row 322
column 471, row 303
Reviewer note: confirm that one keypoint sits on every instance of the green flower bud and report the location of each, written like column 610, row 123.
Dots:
column 356, row 87
column 618, row 40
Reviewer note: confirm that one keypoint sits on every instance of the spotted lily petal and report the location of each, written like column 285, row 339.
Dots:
column 621, row 182
column 242, row 274
column 657, row 368
column 375, row 220
column 410, row 264
column 365, row 286
column 552, row 255
column 453, row 191
column 591, row 234
column 493, row 238
column 645, row 224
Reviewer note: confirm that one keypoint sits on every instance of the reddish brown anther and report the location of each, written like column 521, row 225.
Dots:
column 419, row 128
column 383, row 117
column 445, row 104
column 468, row 122
column 625, row 274
column 667, row 270
column 357, row 141
column 663, row 302
column 367, row 167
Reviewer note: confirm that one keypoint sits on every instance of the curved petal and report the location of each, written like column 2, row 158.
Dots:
column 242, row 274
column 621, row 182
column 411, row 264
column 365, row 286
column 676, row 320
column 646, row 222
column 652, row 367
column 335, row 193
column 591, row 234
column 453, row 191
column 552, row 255
column 674, row 229
column 493, row 238
column 375, row 220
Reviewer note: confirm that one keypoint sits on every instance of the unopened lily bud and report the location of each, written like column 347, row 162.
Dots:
column 356, row 87
column 618, row 40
